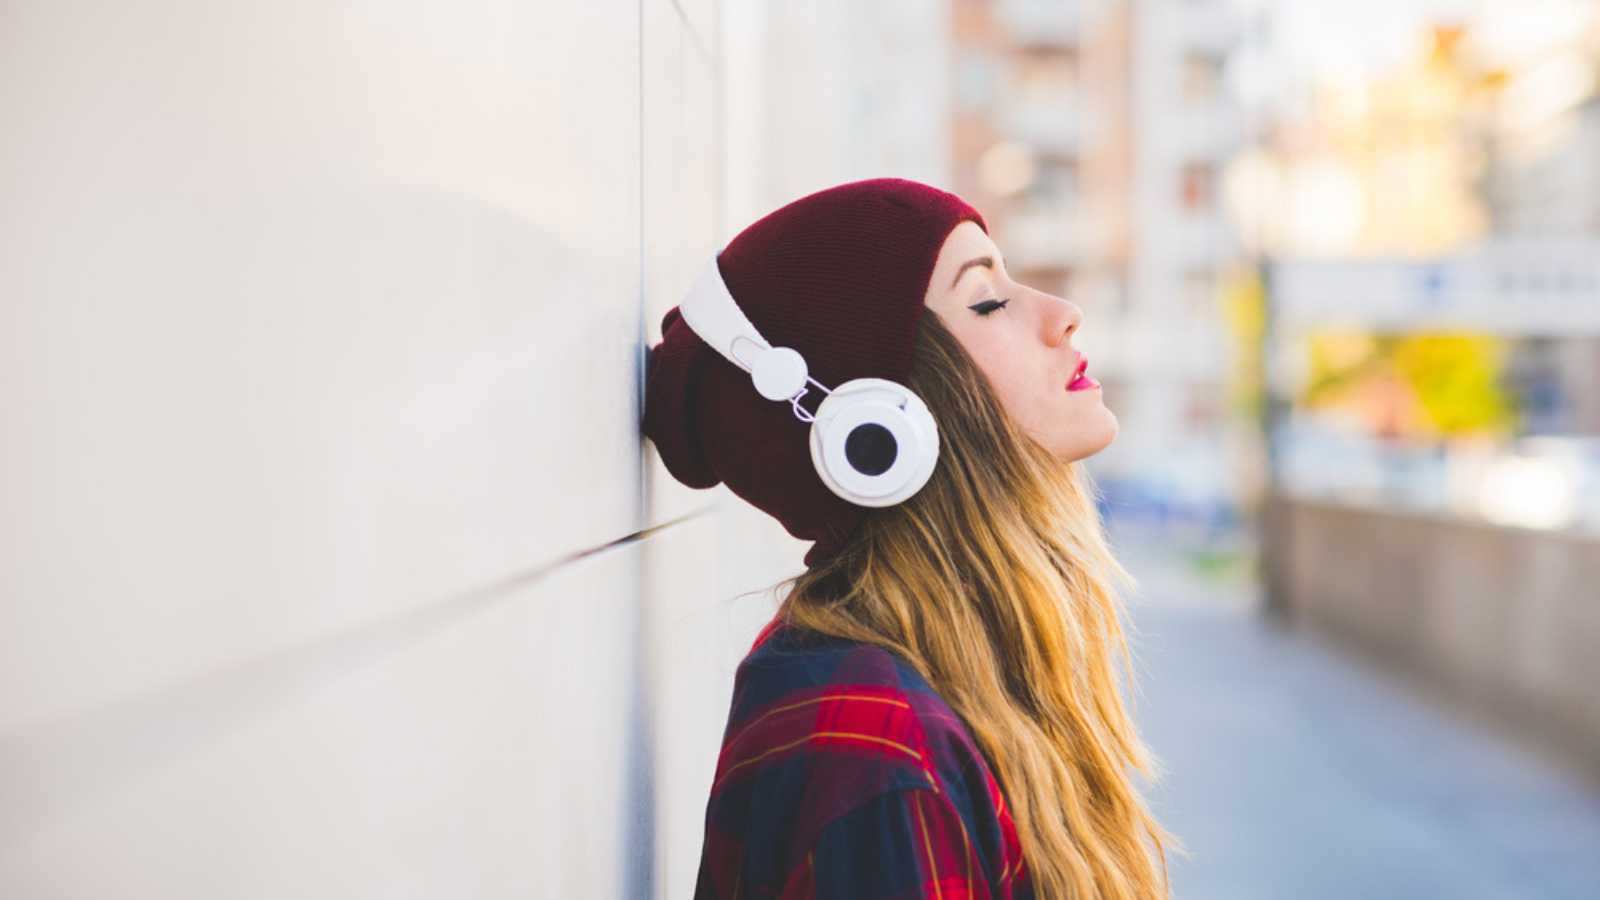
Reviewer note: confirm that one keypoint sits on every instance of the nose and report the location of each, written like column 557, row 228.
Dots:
column 1060, row 318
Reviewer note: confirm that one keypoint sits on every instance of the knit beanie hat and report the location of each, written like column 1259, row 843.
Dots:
column 839, row 275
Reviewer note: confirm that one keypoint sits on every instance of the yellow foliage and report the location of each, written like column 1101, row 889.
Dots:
column 1423, row 384
column 1456, row 378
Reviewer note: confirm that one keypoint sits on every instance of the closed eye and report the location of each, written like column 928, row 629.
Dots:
column 988, row 306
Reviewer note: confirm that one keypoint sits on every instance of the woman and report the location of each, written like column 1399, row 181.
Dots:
column 934, row 711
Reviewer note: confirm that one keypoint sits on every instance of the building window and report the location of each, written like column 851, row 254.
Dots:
column 1200, row 292
column 1202, row 410
column 1202, row 76
column 1056, row 184
column 975, row 82
column 1044, row 78
column 1199, row 187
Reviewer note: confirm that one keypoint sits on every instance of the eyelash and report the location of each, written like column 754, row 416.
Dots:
column 983, row 309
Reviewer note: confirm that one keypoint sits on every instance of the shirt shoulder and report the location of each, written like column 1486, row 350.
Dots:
column 829, row 730
column 839, row 708
column 909, row 843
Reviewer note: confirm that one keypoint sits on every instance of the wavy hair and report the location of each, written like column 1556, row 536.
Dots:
column 995, row 582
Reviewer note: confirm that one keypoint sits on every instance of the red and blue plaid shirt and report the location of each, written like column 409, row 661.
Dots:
column 843, row 774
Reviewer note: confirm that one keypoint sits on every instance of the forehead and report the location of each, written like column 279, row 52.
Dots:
column 964, row 242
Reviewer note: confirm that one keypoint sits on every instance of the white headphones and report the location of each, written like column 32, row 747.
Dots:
column 873, row 441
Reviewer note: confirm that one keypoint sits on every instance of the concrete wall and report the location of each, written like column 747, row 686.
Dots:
column 332, row 561
column 1506, row 619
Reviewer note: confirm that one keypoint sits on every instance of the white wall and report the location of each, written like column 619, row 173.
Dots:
column 332, row 561
column 830, row 91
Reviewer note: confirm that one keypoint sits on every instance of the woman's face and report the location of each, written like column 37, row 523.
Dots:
column 1024, row 347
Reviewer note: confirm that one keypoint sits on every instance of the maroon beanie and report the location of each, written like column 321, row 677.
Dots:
column 839, row 275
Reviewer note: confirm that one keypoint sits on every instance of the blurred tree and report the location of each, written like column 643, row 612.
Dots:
column 1457, row 380
column 1336, row 360
column 1411, row 385
column 1244, row 312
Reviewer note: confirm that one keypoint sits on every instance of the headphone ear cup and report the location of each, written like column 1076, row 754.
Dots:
column 873, row 442
column 928, row 456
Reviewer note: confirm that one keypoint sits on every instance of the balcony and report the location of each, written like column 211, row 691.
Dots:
column 1508, row 286
column 1044, row 239
column 1041, row 23
column 1055, row 125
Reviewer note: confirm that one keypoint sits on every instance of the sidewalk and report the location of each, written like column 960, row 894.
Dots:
column 1294, row 770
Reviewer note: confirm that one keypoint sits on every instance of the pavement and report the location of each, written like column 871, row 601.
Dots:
column 1296, row 770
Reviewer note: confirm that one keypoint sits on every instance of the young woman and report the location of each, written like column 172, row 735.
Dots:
column 935, row 709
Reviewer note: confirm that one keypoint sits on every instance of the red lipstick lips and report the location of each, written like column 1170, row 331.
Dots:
column 1081, row 381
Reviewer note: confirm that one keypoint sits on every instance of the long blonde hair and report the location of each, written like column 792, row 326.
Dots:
column 995, row 582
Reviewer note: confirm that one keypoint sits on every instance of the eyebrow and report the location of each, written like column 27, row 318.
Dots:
column 987, row 261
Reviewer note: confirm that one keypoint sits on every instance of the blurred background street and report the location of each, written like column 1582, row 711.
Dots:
column 334, row 563
column 1296, row 769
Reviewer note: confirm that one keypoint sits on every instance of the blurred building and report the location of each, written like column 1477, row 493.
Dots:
column 1435, row 350
column 1541, row 185
column 1543, row 160
column 1551, row 189
column 1020, row 128
column 1455, row 192
column 1385, row 164
column 1097, row 132
column 1175, row 347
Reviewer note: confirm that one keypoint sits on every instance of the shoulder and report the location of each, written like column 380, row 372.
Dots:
column 905, row 843
column 833, row 702
column 839, row 734
column 799, row 681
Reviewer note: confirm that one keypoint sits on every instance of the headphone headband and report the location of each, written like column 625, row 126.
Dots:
column 714, row 315
column 779, row 373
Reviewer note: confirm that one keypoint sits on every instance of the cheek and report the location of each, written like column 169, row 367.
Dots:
column 997, row 358
column 1021, row 393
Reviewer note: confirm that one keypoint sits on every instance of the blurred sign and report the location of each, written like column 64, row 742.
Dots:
column 1513, row 287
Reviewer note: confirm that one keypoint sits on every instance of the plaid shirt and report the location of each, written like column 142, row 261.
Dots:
column 843, row 774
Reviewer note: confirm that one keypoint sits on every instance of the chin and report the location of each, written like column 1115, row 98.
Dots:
column 1091, row 440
